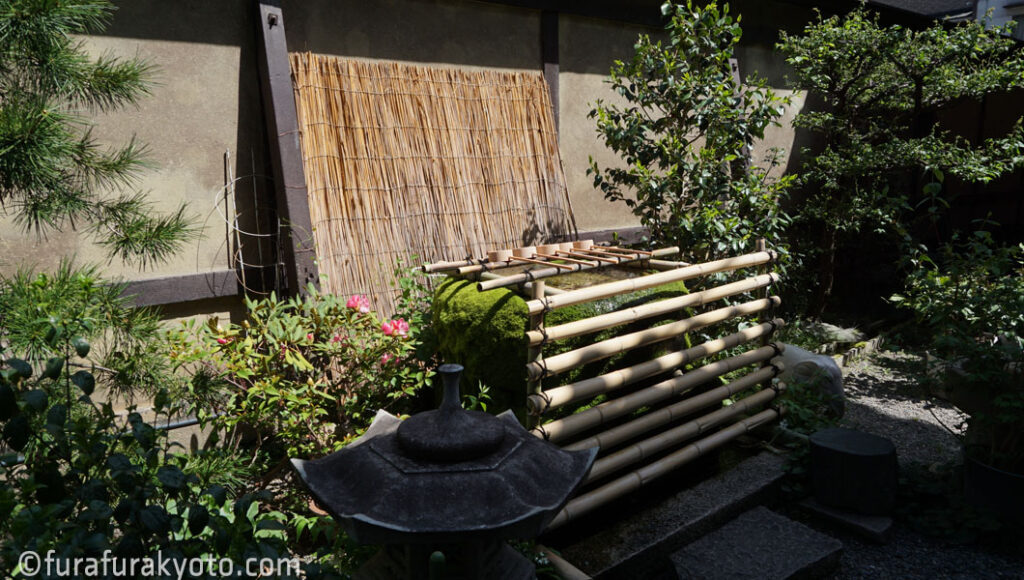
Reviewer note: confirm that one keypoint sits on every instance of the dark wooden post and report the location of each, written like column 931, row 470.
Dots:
column 549, row 54
column 734, row 66
column 285, row 151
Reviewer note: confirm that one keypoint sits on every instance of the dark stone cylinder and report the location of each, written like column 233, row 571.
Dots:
column 854, row 470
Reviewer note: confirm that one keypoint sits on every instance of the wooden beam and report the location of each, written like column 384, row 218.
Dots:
column 647, row 13
column 186, row 288
column 285, row 152
column 549, row 54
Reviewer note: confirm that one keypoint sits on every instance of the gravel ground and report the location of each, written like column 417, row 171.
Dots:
column 883, row 398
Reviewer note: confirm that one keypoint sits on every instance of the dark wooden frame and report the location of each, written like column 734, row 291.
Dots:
column 282, row 127
column 186, row 288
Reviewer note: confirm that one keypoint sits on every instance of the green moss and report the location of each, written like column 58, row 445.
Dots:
column 486, row 333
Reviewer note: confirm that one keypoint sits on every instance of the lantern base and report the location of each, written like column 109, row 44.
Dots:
column 495, row 560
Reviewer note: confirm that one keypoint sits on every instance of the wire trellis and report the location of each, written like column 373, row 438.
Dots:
column 252, row 251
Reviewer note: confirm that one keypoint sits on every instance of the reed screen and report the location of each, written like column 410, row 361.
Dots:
column 439, row 163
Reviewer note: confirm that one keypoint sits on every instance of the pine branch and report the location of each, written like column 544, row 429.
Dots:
column 133, row 233
column 52, row 172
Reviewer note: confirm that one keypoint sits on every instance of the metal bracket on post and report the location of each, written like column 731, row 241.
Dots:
column 285, row 150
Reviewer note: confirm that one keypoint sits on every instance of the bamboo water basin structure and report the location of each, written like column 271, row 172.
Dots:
column 709, row 378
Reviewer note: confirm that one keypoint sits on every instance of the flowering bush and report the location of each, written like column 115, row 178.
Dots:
column 306, row 372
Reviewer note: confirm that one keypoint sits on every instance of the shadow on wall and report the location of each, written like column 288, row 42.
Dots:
column 222, row 23
column 544, row 232
column 423, row 31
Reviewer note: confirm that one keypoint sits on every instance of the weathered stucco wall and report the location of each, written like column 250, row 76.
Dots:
column 587, row 49
column 207, row 100
column 201, row 105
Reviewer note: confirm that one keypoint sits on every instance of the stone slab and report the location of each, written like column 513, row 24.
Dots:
column 759, row 544
column 639, row 544
column 874, row 528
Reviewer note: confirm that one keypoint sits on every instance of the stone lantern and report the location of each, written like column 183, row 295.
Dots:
column 449, row 480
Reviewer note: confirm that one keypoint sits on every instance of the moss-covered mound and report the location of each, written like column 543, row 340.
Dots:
column 486, row 333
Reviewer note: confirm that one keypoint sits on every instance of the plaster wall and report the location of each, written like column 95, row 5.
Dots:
column 206, row 101
column 201, row 105
column 587, row 49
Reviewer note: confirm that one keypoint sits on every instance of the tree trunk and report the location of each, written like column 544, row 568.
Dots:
column 826, row 271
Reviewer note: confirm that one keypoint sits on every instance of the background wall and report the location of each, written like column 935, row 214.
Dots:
column 207, row 101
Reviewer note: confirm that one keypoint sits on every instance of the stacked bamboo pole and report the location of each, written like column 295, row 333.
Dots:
column 607, row 383
column 600, row 350
column 651, row 446
column 633, row 481
column 644, row 282
column 665, row 415
column 605, row 321
column 650, row 429
column 561, row 429
column 403, row 160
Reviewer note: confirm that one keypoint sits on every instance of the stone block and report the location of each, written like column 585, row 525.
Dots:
column 875, row 528
column 759, row 544
column 854, row 470
column 638, row 545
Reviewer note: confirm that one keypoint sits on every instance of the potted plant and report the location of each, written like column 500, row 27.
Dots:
column 970, row 299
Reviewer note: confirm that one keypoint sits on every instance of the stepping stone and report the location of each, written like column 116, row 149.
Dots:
column 874, row 528
column 854, row 470
column 759, row 544
column 638, row 546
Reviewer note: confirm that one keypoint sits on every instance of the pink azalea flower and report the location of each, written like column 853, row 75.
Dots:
column 385, row 358
column 223, row 340
column 336, row 338
column 309, row 336
column 388, row 328
column 401, row 327
column 359, row 302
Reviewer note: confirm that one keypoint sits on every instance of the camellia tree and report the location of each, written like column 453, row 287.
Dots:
column 884, row 157
column 53, row 173
column 685, row 133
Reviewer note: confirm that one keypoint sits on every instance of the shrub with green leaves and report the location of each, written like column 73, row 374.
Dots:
column 885, row 157
column 39, row 311
column 80, row 479
column 685, row 135
column 308, row 373
column 969, row 297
